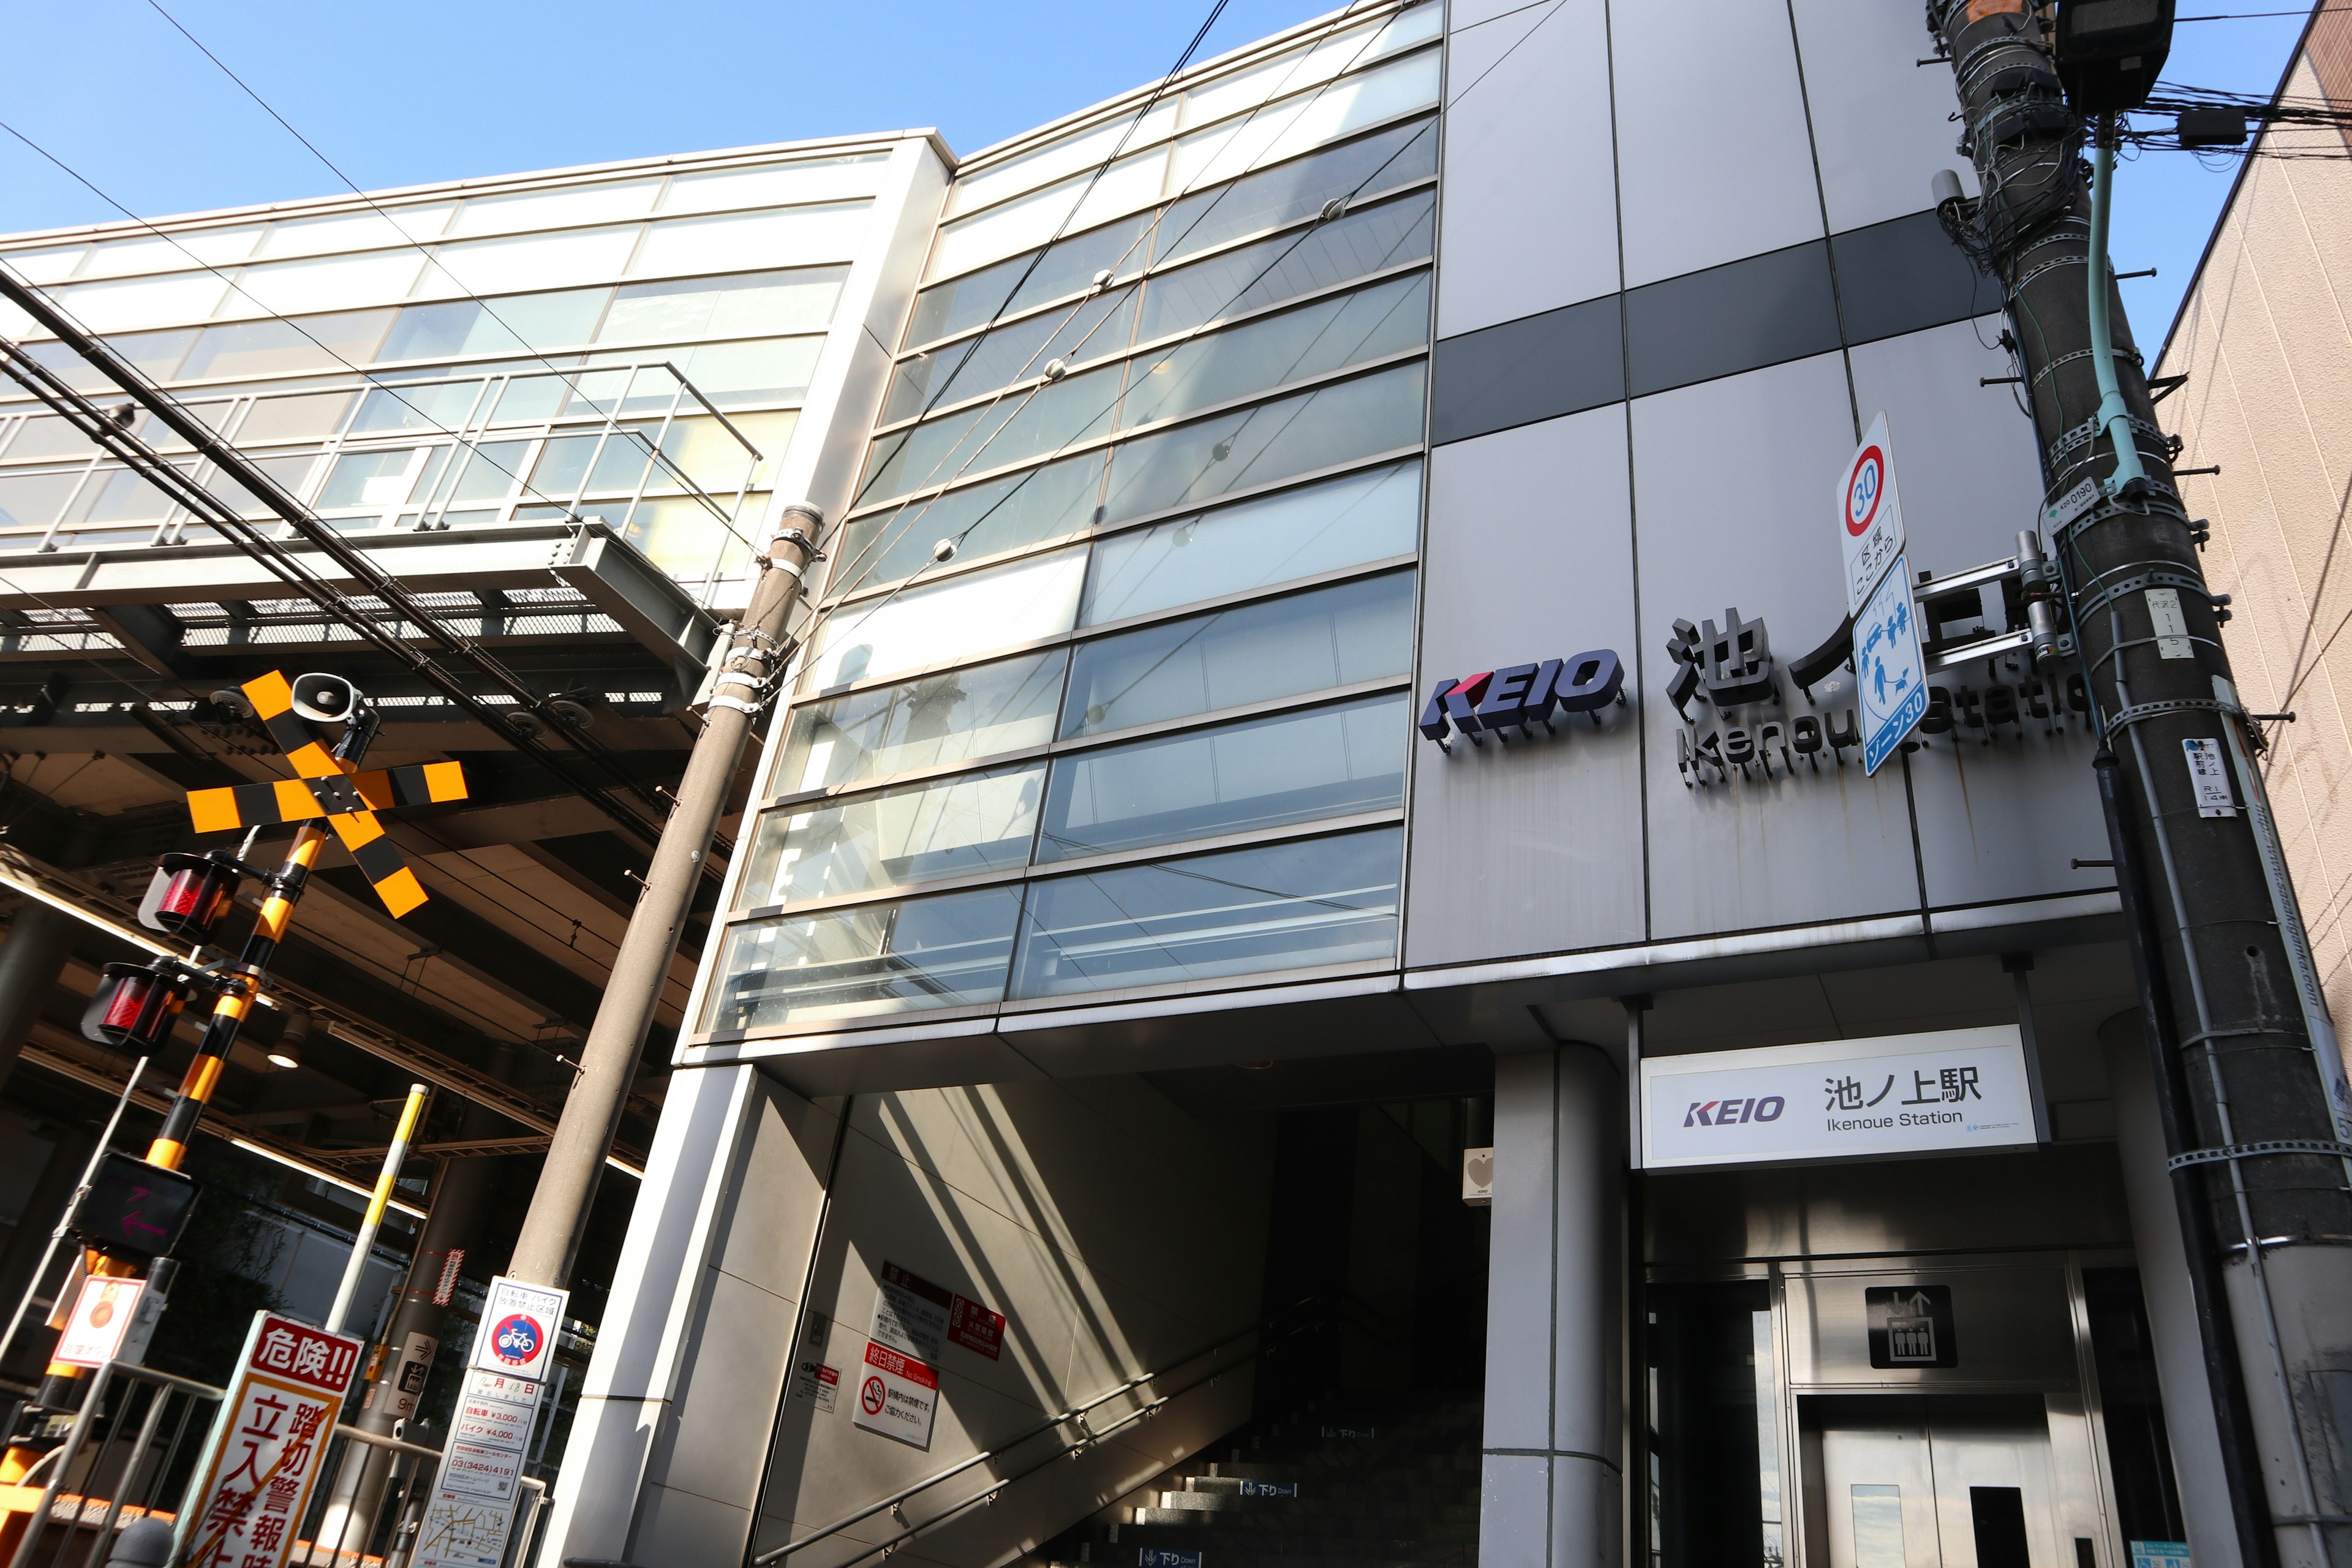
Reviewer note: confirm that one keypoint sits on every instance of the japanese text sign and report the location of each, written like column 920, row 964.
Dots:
column 910, row 1313
column 517, row 1333
column 1950, row 1090
column 976, row 1328
column 103, row 1315
column 1870, row 515
column 263, row 1456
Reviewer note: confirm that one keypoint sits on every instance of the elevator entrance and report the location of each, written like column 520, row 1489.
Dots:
column 1935, row 1481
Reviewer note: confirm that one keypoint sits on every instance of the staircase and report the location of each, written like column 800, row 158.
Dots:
column 1345, row 1481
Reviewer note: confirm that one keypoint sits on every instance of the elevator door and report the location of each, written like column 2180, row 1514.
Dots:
column 1936, row 1483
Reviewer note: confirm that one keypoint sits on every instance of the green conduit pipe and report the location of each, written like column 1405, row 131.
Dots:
column 2114, row 418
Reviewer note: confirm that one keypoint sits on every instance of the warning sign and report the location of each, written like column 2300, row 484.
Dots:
column 910, row 1313
column 897, row 1395
column 975, row 1328
column 262, row 1457
column 820, row 1383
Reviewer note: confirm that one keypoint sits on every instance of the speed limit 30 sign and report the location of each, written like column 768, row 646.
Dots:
column 1870, row 512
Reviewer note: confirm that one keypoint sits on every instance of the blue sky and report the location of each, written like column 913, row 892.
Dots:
column 435, row 90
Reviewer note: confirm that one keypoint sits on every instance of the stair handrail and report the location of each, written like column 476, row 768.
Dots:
column 1090, row 1436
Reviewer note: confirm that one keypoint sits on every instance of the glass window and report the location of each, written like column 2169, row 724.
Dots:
column 559, row 208
column 802, row 180
column 772, row 370
column 1275, row 539
column 308, row 417
column 1238, row 281
column 966, row 714
column 1313, row 340
column 1047, row 503
column 356, row 230
column 426, row 406
column 519, row 323
column 1714, row 1461
column 1301, row 69
column 917, row 833
column 946, row 950
column 1094, row 328
column 714, row 460
column 946, row 310
column 1244, row 911
column 797, row 300
column 144, row 301
column 1258, row 445
column 1077, row 203
column 528, row 261
column 490, row 473
column 378, row 479
column 627, row 455
column 163, row 252
column 685, row 540
column 1273, row 198
column 938, row 622
column 1307, row 119
column 1079, row 151
column 118, row 495
column 793, row 237
column 292, row 474
column 1234, row 778
column 562, row 464
column 276, row 348
column 157, row 354
column 1252, row 653
column 1026, row 425
column 52, row 264
column 34, row 500
column 290, row 288
column 47, row 436
column 70, row 367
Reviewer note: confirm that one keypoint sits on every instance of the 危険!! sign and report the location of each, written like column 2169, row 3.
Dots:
column 262, row 1458
column 1946, row 1091
column 1521, row 697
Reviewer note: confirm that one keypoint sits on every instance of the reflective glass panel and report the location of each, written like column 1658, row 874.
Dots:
column 356, row 230
column 1078, row 203
column 1275, row 539
column 1237, row 281
column 748, row 304
column 629, row 453
column 938, row 622
column 1046, row 502
column 490, row 473
column 917, row 833
column 159, row 253
column 1089, row 330
column 306, row 416
column 1244, row 911
column 1234, row 778
column 714, row 460
column 517, row 323
column 276, row 348
column 1257, row 356
column 964, row 715
column 802, row 180
column 528, row 261
column 995, row 434
column 562, row 464
column 773, row 370
column 144, row 301
column 684, row 539
column 560, row 207
column 1250, row 653
column 50, row 265
column 291, row 288
column 1273, row 198
column 156, row 353
column 370, row 478
column 47, row 436
column 946, row 950
column 121, row 496
column 428, row 406
column 947, row 308
column 789, row 237
column 1305, row 119
column 34, row 500
column 70, row 367
column 1298, row 435
column 1080, row 150
column 1319, row 62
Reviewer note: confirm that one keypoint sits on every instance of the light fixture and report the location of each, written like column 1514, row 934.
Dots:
column 288, row 1050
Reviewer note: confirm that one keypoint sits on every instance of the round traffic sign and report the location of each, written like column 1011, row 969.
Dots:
column 871, row 1396
column 515, row 1338
column 1864, row 487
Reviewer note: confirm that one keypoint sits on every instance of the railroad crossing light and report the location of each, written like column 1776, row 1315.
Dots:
column 325, row 698
column 2110, row 52
column 189, row 894
column 134, row 1008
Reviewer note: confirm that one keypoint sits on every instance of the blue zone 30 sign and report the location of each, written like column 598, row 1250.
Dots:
column 1522, row 697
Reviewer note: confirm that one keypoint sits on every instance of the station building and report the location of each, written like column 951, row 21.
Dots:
column 1311, row 908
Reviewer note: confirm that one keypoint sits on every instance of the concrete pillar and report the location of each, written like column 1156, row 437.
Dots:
column 1553, row 1484
column 2171, row 1309
column 32, row 953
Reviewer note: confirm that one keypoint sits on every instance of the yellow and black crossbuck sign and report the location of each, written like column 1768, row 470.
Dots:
column 331, row 788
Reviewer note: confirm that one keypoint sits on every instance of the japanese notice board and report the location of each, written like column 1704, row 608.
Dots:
column 479, row 1486
column 263, row 1456
column 915, row 1319
column 1888, row 665
column 1948, row 1090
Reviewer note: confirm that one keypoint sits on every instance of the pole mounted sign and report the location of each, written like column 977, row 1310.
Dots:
column 475, row 1495
column 1890, row 669
column 1871, row 509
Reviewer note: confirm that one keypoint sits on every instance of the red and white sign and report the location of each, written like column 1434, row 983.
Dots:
column 910, row 1313
column 103, row 1315
column 975, row 1328
column 897, row 1395
column 1870, row 515
column 262, row 1457
column 518, row 1333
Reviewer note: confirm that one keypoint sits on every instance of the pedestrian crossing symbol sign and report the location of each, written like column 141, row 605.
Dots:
column 1889, row 668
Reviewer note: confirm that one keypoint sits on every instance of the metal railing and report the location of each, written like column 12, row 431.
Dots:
column 132, row 1449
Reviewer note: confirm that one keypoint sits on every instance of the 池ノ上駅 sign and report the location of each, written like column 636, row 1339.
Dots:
column 1520, row 697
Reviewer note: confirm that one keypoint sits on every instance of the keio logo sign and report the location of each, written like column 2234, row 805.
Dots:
column 1519, row 698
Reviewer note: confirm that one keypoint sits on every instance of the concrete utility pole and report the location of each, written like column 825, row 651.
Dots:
column 2259, row 1134
column 544, row 1254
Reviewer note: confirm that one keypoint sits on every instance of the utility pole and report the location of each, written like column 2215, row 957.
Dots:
column 549, row 1242
column 2246, row 1065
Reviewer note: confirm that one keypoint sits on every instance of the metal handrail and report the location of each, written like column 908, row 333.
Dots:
column 1088, row 1437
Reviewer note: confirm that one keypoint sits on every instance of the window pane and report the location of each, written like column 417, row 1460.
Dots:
column 1046, row 502
column 357, row 230
column 793, row 237
column 562, row 464
column 1306, row 120
column 1241, row 280
column 528, row 261
column 918, row 833
column 47, row 436
column 996, row 434
column 799, row 300
column 1253, row 653
column 1097, row 328
column 517, row 323
column 1077, row 203
column 370, row 478
column 685, row 540
column 1245, row 911
column 308, row 417
column 1272, row 441
column 288, row 287
column 715, row 460
column 430, row 406
column 957, row 306
column 1260, row 355
column 629, row 453
column 121, row 496
column 34, row 500
column 1236, row 778
column 529, row 399
column 773, row 370
column 802, row 180
column 53, row 265
column 490, row 473
column 943, row 621
column 1274, row 197
column 276, row 348
column 1277, row 539
column 961, row 716
column 144, row 301
column 159, row 253
column 158, row 354
column 603, row 202
column 1072, row 155
column 948, row 951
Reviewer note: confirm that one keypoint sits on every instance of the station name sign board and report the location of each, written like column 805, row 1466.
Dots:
column 1947, row 1092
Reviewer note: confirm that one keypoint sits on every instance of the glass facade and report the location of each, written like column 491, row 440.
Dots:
column 634, row 350
column 1107, row 688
